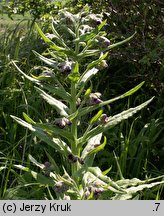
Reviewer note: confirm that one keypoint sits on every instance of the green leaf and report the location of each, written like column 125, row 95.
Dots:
column 56, row 131
column 25, row 75
column 61, row 108
column 85, row 110
column 91, row 146
column 48, row 61
column 58, row 90
column 131, row 191
column 47, row 40
column 35, row 162
column 60, row 40
column 97, row 149
column 121, row 42
column 42, row 134
column 94, row 63
column 97, row 172
column 96, row 117
column 28, row 119
column 116, row 119
column 107, row 171
column 87, row 76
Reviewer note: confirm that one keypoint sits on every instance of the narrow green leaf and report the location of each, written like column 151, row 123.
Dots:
column 96, row 117
column 95, row 140
column 58, row 105
column 47, row 40
column 116, row 119
column 46, row 136
column 87, row 76
column 107, row 171
column 48, row 61
column 99, row 148
column 25, row 75
column 58, row 90
column 121, row 42
column 85, row 110
column 94, row 63
column 28, row 119
column 35, row 162
column 56, row 131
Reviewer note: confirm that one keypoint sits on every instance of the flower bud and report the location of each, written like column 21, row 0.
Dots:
column 103, row 119
column 72, row 158
column 93, row 19
column 81, row 161
column 86, row 194
column 47, row 164
column 104, row 42
column 62, row 122
column 47, row 168
column 60, row 187
column 65, row 67
column 97, row 192
column 94, row 98
column 78, row 102
column 102, row 65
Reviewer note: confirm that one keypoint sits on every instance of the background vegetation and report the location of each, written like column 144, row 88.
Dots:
column 137, row 144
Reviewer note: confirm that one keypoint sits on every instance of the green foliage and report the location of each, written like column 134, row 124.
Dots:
column 77, row 144
column 37, row 8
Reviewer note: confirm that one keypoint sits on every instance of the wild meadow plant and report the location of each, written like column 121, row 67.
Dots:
column 77, row 49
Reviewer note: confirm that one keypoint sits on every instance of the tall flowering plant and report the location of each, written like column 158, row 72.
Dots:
column 76, row 51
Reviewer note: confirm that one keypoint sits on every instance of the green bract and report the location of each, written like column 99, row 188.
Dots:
column 64, row 85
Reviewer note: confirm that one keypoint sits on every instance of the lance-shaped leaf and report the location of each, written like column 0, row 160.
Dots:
column 94, row 141
column 85, row 110
column 121, row 42
column 47, row 40
column 93, row 146
column 97, row 172
column 87, row 76
column 132, row 190
column 56, row 131
column 41, row 166
column 59, row 91
column 91, row 70
column 116, row 119
column 45, row 136
column 61, row 108
column 40, row 178
column 25, row 75
column 48, row 61
column 60, row 39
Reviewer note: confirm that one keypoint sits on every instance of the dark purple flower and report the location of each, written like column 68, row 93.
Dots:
column 62, row 122
column 94, row 98
column 72, row 158
column 65, row 67
column 60, row 187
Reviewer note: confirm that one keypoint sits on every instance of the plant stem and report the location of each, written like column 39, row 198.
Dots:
column 75, row 149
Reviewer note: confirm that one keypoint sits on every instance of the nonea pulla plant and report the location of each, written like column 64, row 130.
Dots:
column 77, row 49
